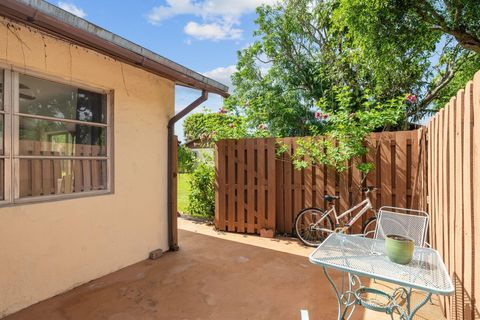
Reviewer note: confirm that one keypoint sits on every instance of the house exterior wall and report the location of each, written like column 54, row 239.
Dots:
column 47, row 248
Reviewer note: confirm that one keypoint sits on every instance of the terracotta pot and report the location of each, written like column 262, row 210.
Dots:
column 399, row 249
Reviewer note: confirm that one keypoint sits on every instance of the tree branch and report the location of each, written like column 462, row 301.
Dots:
column 451, row 69
column 429, row 14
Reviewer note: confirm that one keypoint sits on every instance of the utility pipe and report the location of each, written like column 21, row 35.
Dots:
column 172, row 243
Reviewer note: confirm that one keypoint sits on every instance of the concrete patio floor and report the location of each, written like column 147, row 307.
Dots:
column 213, row 276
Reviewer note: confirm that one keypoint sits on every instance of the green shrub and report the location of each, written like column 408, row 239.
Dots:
column 186, row 159
column 201, row 200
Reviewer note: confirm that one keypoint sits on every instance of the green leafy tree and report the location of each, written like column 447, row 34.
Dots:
column 430, row 41
column 201, row 200
column 209, row 127
column 304, row 48
column 186, row 159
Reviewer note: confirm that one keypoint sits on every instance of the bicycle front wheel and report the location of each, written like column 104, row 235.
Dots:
column 369, row 227
column 312, row 226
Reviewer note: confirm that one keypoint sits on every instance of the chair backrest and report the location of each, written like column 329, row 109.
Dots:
column 404, row 222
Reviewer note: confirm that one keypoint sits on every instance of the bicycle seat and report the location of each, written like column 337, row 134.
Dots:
column 330, row 198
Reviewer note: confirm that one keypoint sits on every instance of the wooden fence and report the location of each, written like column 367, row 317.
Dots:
column 256, row 189
column 454, row 197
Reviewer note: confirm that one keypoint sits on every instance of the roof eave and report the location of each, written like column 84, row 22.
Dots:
column 50, row 18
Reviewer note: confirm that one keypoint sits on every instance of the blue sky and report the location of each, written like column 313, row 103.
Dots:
column 203, row 35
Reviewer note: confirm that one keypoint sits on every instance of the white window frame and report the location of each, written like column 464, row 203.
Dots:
column 11, row 135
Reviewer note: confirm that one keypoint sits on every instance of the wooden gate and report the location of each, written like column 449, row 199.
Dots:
column 245, row 185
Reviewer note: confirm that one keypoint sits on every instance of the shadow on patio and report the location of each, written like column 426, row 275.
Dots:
column 209, row 278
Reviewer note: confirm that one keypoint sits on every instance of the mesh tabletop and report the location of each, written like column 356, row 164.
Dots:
column 366, row 257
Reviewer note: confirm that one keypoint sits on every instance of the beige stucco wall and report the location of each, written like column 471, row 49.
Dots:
column 48, row 248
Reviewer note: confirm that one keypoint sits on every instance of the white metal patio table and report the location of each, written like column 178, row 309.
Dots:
column 364, row 257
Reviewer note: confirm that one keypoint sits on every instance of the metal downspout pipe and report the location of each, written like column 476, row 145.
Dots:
column 172, row 242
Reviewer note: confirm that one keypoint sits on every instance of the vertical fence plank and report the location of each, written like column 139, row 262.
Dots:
column 343, row 190
column 261, row 184
column 280, row 190
column 241, row 185
column 468, row 202
column 308, row 185
column 433, row 217
column 297, row 187
column 220, row 185
column 288, row 207
column 77, row 171
column 476, row 189
column 320, row 186
column 401, row 171
column 372, row 150
column 231, row 184
column 444, row 183
column 271, row 185
column 47, row 181
column 36, row 171
column 452, row 191
column 458, row 227
column 250, row 185
column 87, row 169
column 385, row 169
column 331, row 183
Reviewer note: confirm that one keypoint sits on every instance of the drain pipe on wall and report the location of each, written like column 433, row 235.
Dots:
column 172, row 216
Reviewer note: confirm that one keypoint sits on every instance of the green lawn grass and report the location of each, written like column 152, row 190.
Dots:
column 183, row 191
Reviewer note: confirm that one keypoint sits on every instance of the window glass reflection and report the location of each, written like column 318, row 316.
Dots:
column 40, row 177
column 46, row 98
column 56, row 138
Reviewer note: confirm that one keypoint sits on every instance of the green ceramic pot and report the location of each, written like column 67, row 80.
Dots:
column 399, row 249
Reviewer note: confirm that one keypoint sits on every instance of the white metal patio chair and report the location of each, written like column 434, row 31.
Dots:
column 404, row 222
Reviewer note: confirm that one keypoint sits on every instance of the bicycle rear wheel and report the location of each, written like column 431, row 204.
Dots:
column 312, row 226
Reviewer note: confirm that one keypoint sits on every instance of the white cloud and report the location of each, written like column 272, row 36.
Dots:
column 212, row 31
column 73, row 9
column 173, row 8
column 219, row 17
column 222, row 75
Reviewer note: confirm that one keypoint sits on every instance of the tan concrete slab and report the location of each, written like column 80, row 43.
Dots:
column 244, row 277
column 294, row 246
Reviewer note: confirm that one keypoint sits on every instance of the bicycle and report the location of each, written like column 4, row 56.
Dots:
column 313, row 225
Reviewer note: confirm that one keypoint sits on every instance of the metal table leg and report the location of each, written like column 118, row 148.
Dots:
column 407, row 314
column 345, row 299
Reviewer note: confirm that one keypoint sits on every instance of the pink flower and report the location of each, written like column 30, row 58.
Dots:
column 411, row 98
column 318, row 115
column 231, row 125
column 262, row 126
column 325, row 116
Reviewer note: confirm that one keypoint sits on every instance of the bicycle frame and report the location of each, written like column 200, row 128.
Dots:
column 366, row 205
